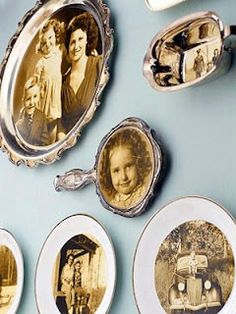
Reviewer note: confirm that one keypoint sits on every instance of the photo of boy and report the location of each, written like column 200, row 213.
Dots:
column 33, row 124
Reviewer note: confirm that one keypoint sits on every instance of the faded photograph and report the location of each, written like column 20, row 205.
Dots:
column 125, row 168
column 80, row 276
column 58, row 77
column 194, row 269
column 187, row 54
column 200, row 61
column 8, row 279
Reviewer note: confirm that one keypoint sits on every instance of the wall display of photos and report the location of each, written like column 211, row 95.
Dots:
column 195, row 125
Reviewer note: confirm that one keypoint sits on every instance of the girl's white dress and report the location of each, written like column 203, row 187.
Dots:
column 48, row 69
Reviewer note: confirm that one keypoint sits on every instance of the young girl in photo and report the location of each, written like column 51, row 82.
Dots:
column 48, row 69
column 126, row 167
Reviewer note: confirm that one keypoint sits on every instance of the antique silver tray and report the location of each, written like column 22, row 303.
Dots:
column 51, row 78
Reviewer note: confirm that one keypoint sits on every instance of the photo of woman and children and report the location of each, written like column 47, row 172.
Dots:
column 58, row 77
column 126, row 168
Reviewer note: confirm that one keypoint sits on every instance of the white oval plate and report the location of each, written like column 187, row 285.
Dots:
column 171, row 216
column 158, row 5
column 11, row 290
column 59, row 244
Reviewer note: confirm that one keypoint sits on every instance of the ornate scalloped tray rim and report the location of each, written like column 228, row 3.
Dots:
column 51, row 157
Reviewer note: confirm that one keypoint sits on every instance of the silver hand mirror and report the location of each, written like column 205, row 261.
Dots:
column 188, row 51
column 127, row 169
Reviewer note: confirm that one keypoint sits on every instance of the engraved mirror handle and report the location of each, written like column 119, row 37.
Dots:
column 74, row 179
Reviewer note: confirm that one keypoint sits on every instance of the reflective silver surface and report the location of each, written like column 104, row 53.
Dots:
column 74, row 179
column 126, row 176
column 188, row 51
column 19, row 149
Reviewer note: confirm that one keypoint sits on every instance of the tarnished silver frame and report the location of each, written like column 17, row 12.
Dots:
column 223, row 62
column 163, row 222
column 77, row 178
column 65, row 230
column 17, row 148
column 158, row 5
column 8, row 240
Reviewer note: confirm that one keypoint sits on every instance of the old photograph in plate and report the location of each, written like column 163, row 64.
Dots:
column 185, row 260
column 198, row 53
column 80, row 275
column 11, row 273
column 194, row 267
column 128, row 170
column 188, row 51
column 8, row 278
column 57, row 67
column 76, row 270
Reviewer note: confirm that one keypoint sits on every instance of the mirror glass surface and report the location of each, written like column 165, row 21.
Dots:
column 187, row 53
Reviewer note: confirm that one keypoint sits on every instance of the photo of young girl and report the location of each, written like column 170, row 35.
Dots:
column 48, row 69
column 126, row 168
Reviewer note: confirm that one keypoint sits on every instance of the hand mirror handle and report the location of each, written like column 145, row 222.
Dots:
column 74, row 179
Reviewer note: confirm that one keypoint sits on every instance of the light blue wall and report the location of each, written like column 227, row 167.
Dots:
column 197, row 126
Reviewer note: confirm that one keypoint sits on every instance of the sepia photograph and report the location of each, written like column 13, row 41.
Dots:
column 58, row 76
column 128, row 171
column 188, row 53
column 194, row 269
column 185, row 259
column 8, row 279
column 80, row 276
column 76, row 269
column 52, row 76
column 126, row 168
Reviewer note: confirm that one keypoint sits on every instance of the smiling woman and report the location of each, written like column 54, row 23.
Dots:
column 80, row 81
